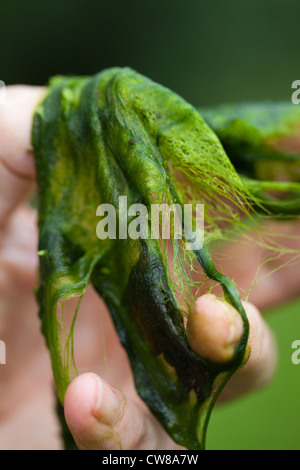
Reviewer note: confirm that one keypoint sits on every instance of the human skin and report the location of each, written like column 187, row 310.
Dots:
column 102, row 408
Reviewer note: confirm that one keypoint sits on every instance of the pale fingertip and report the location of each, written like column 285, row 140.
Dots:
column 214, row 328
column 80, row 399
column 92, row 410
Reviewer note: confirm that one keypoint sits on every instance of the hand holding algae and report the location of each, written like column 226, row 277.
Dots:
column 119, row 134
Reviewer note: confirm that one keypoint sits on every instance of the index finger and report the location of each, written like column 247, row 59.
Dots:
column 17, row 170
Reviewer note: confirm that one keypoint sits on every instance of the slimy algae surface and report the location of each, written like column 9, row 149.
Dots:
column 120, row 134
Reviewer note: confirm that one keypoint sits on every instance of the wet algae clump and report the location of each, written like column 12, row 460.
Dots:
column 120, row 134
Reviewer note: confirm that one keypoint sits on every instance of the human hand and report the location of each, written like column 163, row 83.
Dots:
column 102, row 413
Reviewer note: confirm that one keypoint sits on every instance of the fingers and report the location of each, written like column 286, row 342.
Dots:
column 215, row 327
column 18, row 247
column 261, row 366
column 16, row 160
column 267, row 274
column 99, row 417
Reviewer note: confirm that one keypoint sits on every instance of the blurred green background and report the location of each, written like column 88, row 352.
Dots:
column 208, row 52
column 267, row 419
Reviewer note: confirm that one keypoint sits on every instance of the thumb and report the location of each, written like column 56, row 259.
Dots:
column 100, row 418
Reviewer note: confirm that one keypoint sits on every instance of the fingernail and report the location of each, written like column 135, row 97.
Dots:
column 235, row 323
column 108, row 408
